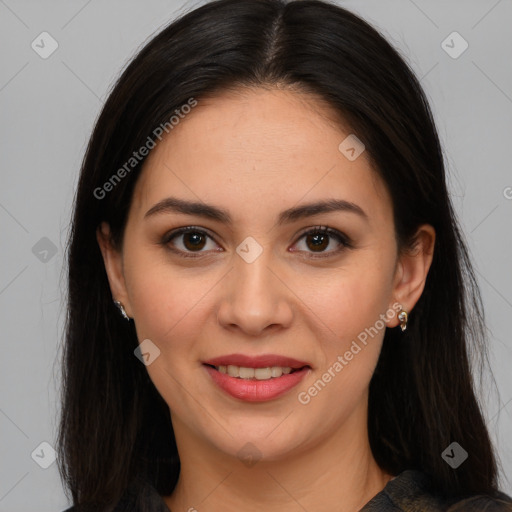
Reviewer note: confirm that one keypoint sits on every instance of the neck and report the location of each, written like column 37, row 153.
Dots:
column 337, row 472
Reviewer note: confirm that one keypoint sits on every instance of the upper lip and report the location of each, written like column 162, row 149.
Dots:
column 261, row 361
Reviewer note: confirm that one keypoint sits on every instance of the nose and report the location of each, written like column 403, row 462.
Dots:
column 254, row 297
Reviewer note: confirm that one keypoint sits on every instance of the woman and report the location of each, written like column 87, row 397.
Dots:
column 271, row 305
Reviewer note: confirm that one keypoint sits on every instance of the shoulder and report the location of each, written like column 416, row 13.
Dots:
column 501, row 502
column 407, row 492
column 410, row 491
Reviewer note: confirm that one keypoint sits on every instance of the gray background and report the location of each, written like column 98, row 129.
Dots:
column 48, row 107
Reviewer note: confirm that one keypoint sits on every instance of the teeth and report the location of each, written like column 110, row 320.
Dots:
column 246, row 373
column 276, row 371
column 233, row 371
column 254, row 373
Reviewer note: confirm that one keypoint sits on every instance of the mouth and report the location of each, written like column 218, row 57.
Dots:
column 256, row 379
column 248, row 373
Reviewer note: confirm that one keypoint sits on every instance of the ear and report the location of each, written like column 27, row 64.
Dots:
column 412, row 269
column 113, row 261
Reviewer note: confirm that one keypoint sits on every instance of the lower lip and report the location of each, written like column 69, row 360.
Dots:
column 252, row 390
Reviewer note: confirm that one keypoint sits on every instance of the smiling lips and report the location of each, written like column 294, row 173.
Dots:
column 256, row 379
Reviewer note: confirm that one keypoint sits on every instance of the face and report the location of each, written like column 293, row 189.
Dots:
column 262, row 279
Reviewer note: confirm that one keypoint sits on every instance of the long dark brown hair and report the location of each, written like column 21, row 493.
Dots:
column 115, row 429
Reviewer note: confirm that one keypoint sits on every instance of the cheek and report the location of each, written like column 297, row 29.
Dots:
column 352, row 302
column 167, row 307
column 163, row 295
column 351, row 308
column 170, row 307
column 351, row 298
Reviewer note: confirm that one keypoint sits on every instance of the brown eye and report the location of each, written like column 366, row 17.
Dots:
column 319, row 239
column 187, row 241
column 193, row 240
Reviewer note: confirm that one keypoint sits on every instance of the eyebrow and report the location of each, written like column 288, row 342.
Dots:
column 175, row 205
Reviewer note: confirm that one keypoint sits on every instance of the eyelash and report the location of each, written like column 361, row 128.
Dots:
column 342, row 239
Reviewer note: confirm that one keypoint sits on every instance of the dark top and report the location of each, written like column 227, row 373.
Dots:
column 407, row 492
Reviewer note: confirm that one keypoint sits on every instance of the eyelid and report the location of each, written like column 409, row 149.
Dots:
column 185, row 229
column 329, row 231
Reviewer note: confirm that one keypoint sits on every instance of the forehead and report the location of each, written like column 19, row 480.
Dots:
column 258, row 148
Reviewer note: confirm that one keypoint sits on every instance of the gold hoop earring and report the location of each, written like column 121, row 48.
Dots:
column 403, row 317
column 123, row 312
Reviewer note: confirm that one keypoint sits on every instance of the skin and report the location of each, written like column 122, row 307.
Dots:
column 256, row 152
